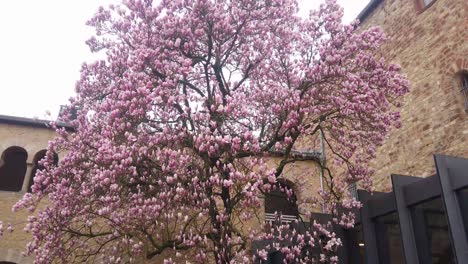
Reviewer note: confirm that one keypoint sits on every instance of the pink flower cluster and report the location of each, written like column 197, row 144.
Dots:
column 173, row 127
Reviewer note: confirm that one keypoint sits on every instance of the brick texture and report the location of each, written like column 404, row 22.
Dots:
column 32, row 139
column 431, row 45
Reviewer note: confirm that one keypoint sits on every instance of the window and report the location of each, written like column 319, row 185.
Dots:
column 463, row 202
column 427, row 2
column 13, row 169
column 464, row 88
column 432, row 232
column 389, row 244
column 281, row 201
column 354, row 244
column 421, row 5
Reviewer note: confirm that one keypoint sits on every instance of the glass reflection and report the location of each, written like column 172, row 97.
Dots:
column 355, row 244
column 463, row 202
column 432, row 233
column 389, row 244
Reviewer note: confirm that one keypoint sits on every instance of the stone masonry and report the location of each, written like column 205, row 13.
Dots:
column 33, row 139
column 431, row 45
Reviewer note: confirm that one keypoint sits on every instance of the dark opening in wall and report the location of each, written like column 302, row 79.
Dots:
column 281, row 200
column 36, row 166
column 13, row 169
column 463, row 82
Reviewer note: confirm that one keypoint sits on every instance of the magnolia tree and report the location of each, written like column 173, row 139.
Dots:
column 174, row 127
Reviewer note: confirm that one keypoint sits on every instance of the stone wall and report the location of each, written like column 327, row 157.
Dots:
column 431, row 45
column 33, row 140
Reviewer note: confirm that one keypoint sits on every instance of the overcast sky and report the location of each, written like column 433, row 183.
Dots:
column 42, row 49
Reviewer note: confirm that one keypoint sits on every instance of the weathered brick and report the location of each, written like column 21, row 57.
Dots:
column 432, row 48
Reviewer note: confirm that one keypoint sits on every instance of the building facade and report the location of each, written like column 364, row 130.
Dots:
column 23, row 142
column 419, row 212
column 429, row 39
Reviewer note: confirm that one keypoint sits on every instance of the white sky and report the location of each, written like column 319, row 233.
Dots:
column 42, row 48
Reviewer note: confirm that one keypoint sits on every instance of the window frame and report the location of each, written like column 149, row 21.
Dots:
column 463, row 85
column 421, row 6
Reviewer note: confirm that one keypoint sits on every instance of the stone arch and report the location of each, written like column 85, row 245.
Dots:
column 451, row 79
column 13, row 168
column 36, row 166
column 278, row 200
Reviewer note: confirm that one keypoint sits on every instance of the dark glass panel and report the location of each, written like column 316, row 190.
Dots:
column 463, row 202
column 275, row 258
column 431, row 232
column 277, row 200
column 354, row 243
column 389, row 243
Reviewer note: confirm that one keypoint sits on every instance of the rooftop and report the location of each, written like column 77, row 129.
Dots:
column 31, row 122
column 368, row 9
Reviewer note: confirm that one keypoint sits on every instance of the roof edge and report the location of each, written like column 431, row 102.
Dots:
column 368, row 9
column 31, row 122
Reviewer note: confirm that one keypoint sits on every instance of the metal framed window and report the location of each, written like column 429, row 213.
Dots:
column 380, row 225
column 424, row 220
column 431, row 231
column 453, row 175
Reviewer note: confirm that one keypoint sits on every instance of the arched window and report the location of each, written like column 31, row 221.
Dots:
column 281, row 200
column 36, row 166
column 13, row 169
column 464, row 87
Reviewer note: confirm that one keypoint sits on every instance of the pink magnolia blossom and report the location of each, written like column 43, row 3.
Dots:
column 174, row 127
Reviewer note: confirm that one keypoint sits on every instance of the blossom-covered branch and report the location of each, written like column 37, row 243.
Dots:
column 175, row 126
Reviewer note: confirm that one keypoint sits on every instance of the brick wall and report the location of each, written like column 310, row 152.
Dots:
column 432, row 47
column 32, row 139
